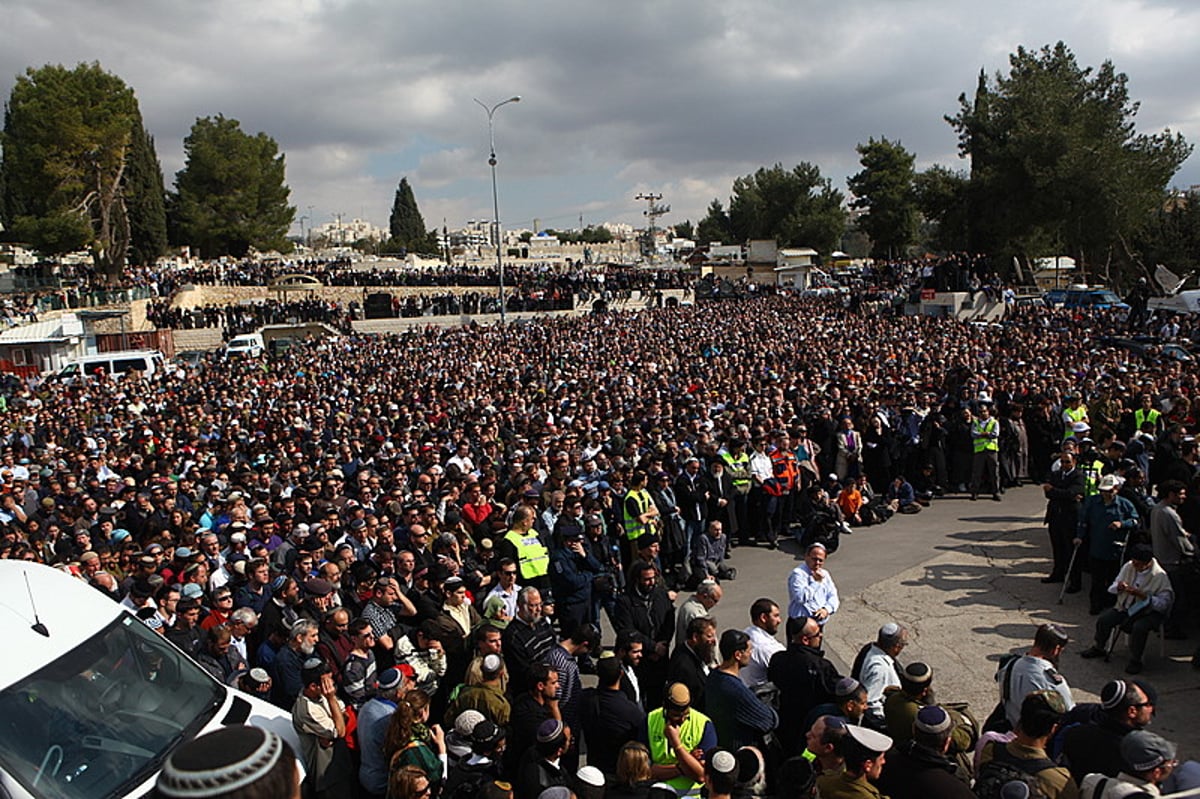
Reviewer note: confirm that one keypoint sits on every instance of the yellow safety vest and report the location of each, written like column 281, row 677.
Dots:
column 690, row 734
column 533, row 557
column 981, row 435
column 1091, row 477
column 1076, row 415
column 634, row 529
column 1141, row 416
column 739, row 470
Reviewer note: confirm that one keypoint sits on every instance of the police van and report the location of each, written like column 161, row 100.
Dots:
column 114, row 364
column 91, row 699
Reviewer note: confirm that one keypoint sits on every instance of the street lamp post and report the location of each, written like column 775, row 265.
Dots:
column 491, row 112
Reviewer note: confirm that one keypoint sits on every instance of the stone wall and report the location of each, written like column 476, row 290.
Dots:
column 224, row 295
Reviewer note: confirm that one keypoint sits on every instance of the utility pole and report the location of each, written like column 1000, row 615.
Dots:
column 653, row 211
column 310, row 227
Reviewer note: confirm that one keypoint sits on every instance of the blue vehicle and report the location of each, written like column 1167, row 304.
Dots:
column 1095, row 297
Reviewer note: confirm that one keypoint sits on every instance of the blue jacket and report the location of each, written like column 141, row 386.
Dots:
column 1095, row 517
column 571, row 576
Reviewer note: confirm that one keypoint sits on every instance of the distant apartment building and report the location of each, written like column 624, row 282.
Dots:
column 343, row 232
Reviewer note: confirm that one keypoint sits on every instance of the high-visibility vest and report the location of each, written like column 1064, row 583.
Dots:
column 982, row 435
column 532, row 555
column 690, row 734
column 785, row 468
column 1091, row 477
column 1141, row 416
column 634, row 527
column 738, row 467
column 1076, row 415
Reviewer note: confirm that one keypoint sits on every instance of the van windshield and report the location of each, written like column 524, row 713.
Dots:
column 100, row 720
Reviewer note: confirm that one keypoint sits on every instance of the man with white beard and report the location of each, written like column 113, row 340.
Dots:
column 286, row 683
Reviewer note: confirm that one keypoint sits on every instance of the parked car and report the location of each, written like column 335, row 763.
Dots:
column 1095, row 297
column 249, row 345
column 1143, row 347
column 192, row 359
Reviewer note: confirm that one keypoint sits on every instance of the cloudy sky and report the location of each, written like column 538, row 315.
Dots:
column 676, row 97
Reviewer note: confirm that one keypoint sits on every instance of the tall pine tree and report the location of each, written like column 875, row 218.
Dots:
column 405, row 225
column 145, row 199
column 231, row 194
column 67, row 137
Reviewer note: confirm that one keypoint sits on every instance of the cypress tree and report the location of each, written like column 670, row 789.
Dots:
column 145, row 198
column 405, row 225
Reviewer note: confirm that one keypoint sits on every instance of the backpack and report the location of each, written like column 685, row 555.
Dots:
column 856, row 669
column 997, row 720
column 1004, row 767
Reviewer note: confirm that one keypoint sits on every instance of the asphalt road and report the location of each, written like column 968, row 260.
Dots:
column 964, row 577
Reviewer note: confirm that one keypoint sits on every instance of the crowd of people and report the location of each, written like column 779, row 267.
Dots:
column 565, row 277
column 417, row 543
column 248, row 317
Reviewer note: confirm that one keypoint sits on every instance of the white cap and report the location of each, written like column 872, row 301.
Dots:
column 869, row 739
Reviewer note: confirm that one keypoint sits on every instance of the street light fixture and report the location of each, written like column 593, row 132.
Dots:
column 491, row 112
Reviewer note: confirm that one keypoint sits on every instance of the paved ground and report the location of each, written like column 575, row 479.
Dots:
column 964, row 577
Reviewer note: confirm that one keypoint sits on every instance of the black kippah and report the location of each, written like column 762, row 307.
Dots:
column 220, row 762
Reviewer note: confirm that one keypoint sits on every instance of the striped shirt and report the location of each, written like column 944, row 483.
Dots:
column 569, row 684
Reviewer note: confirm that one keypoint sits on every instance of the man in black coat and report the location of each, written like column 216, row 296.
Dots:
column 647, row 608
column 691, row 495
column 1064, row 492
column 720, row 496
column 691, row 662
column 804, row 676
column 919, row 768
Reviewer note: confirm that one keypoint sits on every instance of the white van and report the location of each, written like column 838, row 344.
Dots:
column 148, row 362
column 91, row 699
column 250, row 345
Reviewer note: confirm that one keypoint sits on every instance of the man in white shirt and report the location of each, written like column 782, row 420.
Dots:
column 811, row 591
column 879, row 669
column 765, row 619
column 506, row 588
column 761, row 470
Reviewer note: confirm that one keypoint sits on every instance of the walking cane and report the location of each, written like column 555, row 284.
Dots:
column 1070, row 569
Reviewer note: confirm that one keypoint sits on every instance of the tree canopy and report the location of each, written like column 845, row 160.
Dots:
column 796, row 207
column 231, row 195
column 1056, row 162
column 884, row 190
column 405, row 225
column 70, row 138
column 146, row 200
column 589, row 235
column 941, row 196
column 715, row 225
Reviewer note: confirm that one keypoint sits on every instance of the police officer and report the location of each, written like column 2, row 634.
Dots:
column 737, row 463
column 527, row 549
column 639, row 514
column 1036, row 670
column 985, row 440
column 572, row 572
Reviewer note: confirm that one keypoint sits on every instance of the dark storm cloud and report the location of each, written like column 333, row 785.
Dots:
column 675, row 95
